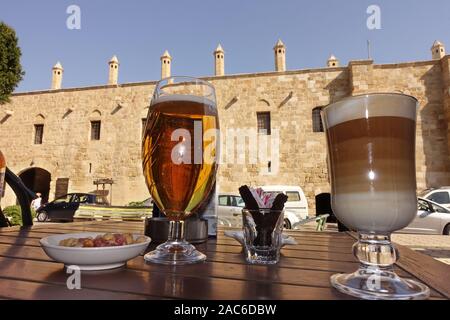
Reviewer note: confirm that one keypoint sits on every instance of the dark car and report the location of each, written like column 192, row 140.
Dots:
column 63, row 208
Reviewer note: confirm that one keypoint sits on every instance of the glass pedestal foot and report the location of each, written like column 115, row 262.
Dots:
column 175, row 253
column 379, row 285
column 375, row 279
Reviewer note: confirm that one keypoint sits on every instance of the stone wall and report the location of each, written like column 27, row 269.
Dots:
column 290, row 97
column 423, row 81
column 67, row 151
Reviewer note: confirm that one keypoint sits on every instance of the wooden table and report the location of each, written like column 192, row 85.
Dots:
column 303, row 272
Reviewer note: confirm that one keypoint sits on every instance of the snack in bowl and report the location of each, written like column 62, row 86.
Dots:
column 94, row 250
column 105, row 240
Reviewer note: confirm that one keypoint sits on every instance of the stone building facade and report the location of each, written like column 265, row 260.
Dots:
column 70, row 159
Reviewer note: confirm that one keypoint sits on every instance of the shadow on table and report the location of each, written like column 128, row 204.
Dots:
column 14, row 248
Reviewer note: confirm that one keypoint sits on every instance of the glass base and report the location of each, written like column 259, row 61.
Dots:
column 175, row 253
column 379, row 284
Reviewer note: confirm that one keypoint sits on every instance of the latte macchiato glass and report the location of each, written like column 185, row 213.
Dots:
column 371, row 149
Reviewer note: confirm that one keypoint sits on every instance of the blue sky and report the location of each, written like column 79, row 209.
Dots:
column 139, row 31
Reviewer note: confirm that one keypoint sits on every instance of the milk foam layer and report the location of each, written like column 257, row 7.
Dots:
column 381, row 212
column 371, row 105
column 182, row 97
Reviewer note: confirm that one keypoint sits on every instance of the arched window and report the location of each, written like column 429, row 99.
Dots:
column 38, row 133
column 95, row 130
column 95, row 118
column 317, row 124
column 39, row 121
column 263, row 121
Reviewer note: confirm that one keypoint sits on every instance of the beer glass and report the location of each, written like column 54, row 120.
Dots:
column 179, row 151
column 371, row 151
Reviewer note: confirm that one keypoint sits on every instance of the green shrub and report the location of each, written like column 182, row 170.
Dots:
column 143, row 203
column 136, row 204
column 14, row 214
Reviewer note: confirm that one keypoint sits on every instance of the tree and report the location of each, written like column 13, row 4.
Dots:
column 10, row 68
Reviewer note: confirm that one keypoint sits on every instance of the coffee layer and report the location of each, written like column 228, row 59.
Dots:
column 367, row 106
column 380, row 212
column 373, row 154
column 373, row 172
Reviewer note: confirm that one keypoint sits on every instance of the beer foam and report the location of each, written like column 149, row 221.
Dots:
column 370, row 105
column 183, row 97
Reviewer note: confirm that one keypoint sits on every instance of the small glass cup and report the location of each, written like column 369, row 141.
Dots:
column 262, row 235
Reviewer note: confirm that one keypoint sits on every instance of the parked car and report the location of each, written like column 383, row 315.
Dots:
column 63, row 208
column 229, row 209
column 440, row 196
column 229, row 212
column 431, row 218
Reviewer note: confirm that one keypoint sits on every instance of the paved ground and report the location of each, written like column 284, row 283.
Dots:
column 436, row 246
column 433, row 245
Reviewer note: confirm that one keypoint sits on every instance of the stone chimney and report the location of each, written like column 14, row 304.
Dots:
column 219, row 69
column 280, row 56
column 166, row 60
column 332, row 62
column 113, row 70
column 437, row 50
column 57, row 74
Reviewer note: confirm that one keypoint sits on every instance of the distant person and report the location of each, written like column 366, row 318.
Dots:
column 36, row 203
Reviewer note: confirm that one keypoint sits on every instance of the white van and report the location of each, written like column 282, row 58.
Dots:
column 296, row 204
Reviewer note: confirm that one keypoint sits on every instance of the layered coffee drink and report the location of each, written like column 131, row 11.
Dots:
column 371, row 150
column 371, row 143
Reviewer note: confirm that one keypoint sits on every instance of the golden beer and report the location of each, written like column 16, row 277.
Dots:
column 178, row 162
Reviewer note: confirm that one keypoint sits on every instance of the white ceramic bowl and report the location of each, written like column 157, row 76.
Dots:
column 97, row 258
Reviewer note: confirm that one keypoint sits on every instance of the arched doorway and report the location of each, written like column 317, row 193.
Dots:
column 37, row 180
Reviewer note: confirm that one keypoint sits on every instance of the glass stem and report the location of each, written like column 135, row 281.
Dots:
column 375, row 251
column 176, row 231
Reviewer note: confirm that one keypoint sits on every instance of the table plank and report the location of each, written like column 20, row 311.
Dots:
column 233, row 247
column 34, row 252
column 303, row 272
column 166, row 285
column 25, row 290
column 308, row 252
column 227, row 270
